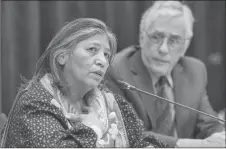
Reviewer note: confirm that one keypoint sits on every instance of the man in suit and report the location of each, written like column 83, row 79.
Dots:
column 158, row 66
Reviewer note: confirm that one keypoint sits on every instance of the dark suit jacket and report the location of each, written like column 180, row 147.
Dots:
column 189, row 78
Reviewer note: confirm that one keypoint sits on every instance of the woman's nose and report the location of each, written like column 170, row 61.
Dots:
column 101, row 60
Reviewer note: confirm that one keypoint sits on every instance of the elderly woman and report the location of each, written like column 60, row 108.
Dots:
column 66, row 104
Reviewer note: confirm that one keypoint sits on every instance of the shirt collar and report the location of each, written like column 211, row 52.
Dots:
column 155, row 79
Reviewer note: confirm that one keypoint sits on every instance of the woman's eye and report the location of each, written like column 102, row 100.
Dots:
column 92, row 49
column 107, row 55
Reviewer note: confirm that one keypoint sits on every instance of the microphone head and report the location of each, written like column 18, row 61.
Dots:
column 124, row 85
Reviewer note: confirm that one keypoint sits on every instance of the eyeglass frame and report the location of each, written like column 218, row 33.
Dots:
column 159, row 43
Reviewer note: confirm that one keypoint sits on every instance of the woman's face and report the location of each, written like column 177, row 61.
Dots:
column 89, row 61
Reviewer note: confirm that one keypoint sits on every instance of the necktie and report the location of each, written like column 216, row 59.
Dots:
column 165, row 118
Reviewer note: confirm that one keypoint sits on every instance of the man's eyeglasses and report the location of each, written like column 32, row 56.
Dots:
column 173, row 41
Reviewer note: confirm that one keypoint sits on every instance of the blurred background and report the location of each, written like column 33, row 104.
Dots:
column 28, row 26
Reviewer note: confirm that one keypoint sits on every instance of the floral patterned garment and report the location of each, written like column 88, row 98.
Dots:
column 37, row 120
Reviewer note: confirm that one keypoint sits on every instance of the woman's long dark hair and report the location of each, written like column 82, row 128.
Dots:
column 71, row 34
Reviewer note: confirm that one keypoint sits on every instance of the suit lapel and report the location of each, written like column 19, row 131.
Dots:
column 184, row 92
column 143, row 82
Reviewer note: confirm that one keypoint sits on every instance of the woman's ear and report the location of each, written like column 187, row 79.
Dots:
column 62, row 58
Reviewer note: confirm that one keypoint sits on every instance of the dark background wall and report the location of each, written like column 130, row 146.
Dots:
column 28, row 26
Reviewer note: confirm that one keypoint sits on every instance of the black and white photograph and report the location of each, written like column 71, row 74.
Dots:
column 112, row 74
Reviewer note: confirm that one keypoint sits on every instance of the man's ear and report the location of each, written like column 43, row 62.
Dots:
column 187, row 44
column 141, row 38
column 62, row 58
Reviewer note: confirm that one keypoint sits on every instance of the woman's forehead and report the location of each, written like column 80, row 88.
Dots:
column 97, row 40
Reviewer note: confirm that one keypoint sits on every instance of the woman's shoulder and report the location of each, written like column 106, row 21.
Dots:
column 34, row 101
column 32, row 98
column 36, row 92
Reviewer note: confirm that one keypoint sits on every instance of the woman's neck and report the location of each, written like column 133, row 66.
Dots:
column 76, row 89
column 76, row 92
column 72, row 99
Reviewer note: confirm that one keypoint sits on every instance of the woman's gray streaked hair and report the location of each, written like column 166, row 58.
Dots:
column 167, row 8
column 70, row 35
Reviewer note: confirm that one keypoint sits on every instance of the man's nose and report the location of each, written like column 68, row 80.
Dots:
column 164, row 49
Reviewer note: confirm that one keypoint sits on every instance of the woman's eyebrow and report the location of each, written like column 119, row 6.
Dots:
column 97, row 43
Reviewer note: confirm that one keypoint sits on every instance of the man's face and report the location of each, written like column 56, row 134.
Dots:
column 163, row 44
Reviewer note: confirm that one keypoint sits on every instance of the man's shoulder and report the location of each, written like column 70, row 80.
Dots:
column 194, row 69
column 189, row 62
column 125, row 54
column 121, row 62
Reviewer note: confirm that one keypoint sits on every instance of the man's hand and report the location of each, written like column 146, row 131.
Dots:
column 215, row 140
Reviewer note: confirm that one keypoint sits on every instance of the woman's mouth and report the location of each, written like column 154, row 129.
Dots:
column 98, row 73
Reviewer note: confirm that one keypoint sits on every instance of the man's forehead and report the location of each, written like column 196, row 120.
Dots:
column 171, row 25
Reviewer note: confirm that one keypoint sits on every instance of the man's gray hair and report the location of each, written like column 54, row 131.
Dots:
column 167, row 8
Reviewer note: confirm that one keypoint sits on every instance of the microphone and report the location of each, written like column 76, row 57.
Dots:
column 125, row 85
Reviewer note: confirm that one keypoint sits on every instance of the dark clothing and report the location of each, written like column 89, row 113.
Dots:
column 189, row 79
column 36, row 122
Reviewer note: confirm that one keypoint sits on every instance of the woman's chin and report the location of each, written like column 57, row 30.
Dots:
column 93, row 83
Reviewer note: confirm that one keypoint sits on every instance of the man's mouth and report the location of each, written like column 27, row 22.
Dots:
column 161, row 60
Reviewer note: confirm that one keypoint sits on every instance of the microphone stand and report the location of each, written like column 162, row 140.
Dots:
column 125, row 85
